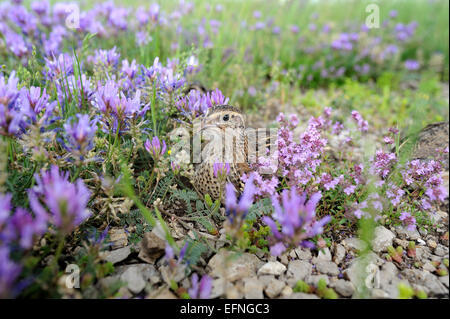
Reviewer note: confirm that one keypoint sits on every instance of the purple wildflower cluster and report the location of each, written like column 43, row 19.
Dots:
column 297, row 220
column 197, row 103
column 53, row 200
column 303, row 167
column 156, row 148
column 45, row 27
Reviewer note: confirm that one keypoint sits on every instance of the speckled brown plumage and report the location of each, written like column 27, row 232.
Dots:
column 225, row 124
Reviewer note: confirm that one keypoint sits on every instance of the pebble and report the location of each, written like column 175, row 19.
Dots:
column 401, row 242
column 432, row 244
column 134, row 279
column 253, row 288
column 314, row 279
column 272, row 268
column 444, row 280
column 429, row 267
column 344, row 288
column 287, row 291
column 354, row 243
column 152, row 247
column 265, row 279
column 339, row 254
column 441, row 250
column 383, row 238
column 404, row 233
column 218, row 288
column 118, row 255
column 284, row 259
column 303, row 254
column 301, row 295
column 379, row 294
column 327, row 267
column 299, row 269
column 274, row 288
column 234, row 266
column 118, row 238
column 324, row 255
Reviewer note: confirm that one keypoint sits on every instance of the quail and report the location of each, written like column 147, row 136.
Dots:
column 222, row 140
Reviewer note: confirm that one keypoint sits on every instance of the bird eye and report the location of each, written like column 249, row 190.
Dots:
column 226, row 117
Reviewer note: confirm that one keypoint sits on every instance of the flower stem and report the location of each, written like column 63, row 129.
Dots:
column 61, row 241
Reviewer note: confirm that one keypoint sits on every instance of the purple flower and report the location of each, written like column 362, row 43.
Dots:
column 80, row 134
column 155, row 148
column 412, row 65
column 350, row 189
column 116, row 109
column 34, row 103
column 383, row 163
column 58, row 68
column 66, row 202
column 202, row 289
column 20, row 226
column 297, row 219
column 12, row 117
column 221, row 170
column 5, row 207
column 9, row 273
column 388, row 140
column 237, row 210
column 107, row 57
column 363, row 125
column 408, row 220
column 294, row 29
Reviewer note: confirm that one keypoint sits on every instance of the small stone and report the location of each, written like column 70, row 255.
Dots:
column 432, row 244
column 299, row 269
column 152, row 247
column 233, row 266
column 314, row 279
column 168, row 275
column 444, row 280
column 435, row 285
column 303, row 253
column 118, row 238
column 441, row 250
column 379, row 294
column 134, row 279
column 354, row 244
column 287, row 291
column 339, row 254
column 324, row 254
column 272, row 268
column 344, row 288
column 234, row 292
column 425, row 279
column 401, row 242
column 404, row 233
column 383, row 238
column 274, row 288
column 218, row 288
column 292, row 254
column 423, row 253
column 423, row 232
column 265, row 279
column 327, row 267
column 118, row 255
column 429, row 267
column 301, row 295
column 253, row 289
column 284, row 259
